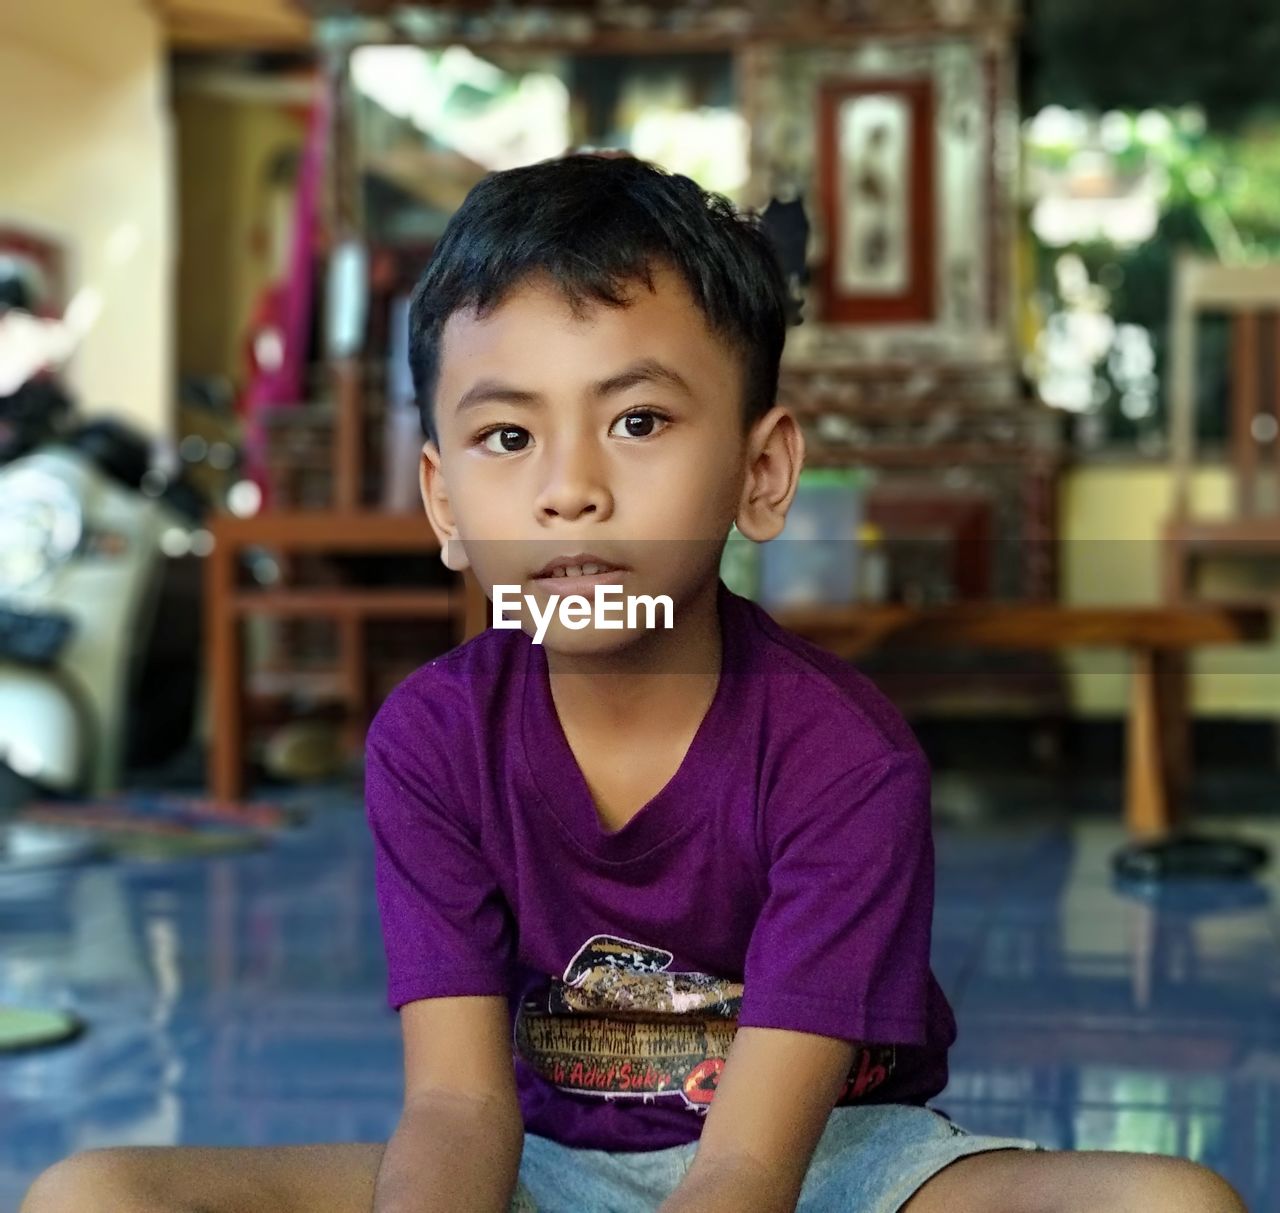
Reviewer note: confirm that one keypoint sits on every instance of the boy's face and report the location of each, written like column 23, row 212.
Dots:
column 540, row 458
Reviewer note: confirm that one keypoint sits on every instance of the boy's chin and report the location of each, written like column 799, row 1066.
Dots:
column 590, row 642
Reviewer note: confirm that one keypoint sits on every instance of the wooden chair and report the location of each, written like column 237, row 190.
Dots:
column 1249, row 295
column 347, row 527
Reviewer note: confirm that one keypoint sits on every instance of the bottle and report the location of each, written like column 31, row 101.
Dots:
column 873, row 564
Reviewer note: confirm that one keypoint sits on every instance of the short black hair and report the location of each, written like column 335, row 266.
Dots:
column 594, row 224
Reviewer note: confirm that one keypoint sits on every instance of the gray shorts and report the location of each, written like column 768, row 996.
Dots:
column 870, row 1159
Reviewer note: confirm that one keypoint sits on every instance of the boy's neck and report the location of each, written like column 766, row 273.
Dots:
column 651, row 685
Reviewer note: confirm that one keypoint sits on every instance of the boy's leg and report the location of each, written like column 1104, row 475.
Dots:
column 188, row 1179
column 1087, row 1181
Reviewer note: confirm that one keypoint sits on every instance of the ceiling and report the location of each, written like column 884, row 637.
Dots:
column 383, row 7
column 267, row 24
column 235, row 24
column 287, row 24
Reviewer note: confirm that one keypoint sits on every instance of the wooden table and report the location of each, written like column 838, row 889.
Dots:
column 1157, row 761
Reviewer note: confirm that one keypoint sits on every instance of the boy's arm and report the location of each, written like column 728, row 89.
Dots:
column 771, row 1104
column 460, row 1136
column 450, row 940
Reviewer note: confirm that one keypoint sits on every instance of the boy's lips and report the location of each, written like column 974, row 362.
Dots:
column 576, row 566
column 577, row 574
column 581, row 584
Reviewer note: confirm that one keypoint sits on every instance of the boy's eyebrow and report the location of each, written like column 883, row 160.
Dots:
column 643, row 370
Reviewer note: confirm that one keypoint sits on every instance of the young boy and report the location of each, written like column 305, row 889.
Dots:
column 656, row 901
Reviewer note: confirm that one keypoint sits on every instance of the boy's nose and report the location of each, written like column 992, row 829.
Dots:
column 575, row 485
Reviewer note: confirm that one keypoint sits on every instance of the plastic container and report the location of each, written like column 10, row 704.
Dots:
column 740, row 564
column 815, row 559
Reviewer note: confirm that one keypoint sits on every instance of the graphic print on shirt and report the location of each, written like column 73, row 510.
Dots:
column 620, row 1024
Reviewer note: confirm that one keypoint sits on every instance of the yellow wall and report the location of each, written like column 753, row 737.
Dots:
column 225, row 146
column 85, row 156
column 1111, row 517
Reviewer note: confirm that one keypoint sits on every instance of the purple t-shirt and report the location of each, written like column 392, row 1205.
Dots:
column 782, row 878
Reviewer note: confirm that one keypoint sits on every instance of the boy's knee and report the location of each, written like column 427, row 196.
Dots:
column 106, row 1181
column 1175, row 1185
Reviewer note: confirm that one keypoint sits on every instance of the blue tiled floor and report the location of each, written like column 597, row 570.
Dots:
column 240, row 1001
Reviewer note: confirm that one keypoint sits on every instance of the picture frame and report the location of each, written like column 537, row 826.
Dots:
column 876, row 195
column 942, row 295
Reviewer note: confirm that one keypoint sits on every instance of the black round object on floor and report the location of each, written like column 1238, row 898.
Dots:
column 1192, row 896
column 1190, row 855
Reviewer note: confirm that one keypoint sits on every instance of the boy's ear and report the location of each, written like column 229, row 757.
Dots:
column 775, row 455
column 435, row 500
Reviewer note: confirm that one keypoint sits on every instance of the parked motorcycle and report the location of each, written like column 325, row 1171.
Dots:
column 34, row 408
column 99, row 614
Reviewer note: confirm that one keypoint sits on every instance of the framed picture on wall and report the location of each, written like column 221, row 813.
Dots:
column 876, row 193
column 903, row 153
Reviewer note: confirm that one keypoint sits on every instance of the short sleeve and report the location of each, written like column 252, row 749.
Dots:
column 446, row 925
column 841, row 946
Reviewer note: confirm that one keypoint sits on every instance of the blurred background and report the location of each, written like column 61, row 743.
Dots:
column 1034, row 254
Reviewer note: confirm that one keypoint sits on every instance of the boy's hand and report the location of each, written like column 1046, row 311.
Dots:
column 460, row 1136
column 730, row 1186
column 448, row 1153
column 772, row 1102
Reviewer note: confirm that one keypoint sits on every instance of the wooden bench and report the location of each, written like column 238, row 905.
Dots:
column 1157, row 761
column 1157, row 743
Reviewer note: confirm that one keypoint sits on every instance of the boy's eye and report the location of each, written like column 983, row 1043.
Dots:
column 505, row 440
column 639, row 423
